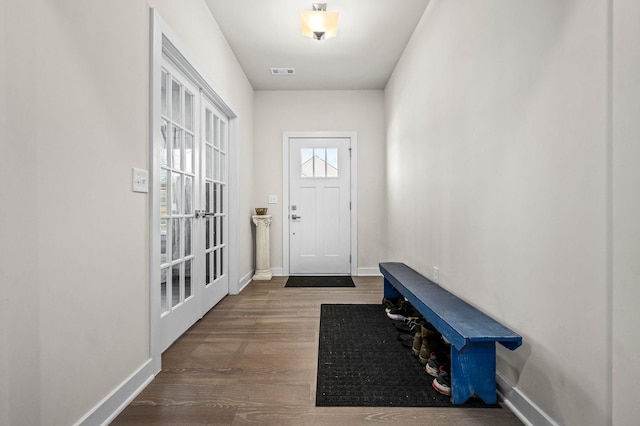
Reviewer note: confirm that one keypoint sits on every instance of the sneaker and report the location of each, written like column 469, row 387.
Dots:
column 395, row 314
column 398, row 312
column 442, row 383
column 391, row 303
column 434, row 364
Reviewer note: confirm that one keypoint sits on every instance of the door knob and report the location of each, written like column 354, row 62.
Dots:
column 295, row 216
column 203, row 213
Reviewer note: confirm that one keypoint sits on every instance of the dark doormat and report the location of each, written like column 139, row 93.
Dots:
column 337, row 281
column 361, row 363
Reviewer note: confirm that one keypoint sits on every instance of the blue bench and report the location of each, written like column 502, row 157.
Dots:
column 471, row 332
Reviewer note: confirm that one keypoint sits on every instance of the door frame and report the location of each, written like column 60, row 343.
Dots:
column 353, row 159
column 164, row 42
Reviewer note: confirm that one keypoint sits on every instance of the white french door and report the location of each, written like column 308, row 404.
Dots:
column 214, row 193
column 192, row 204
column 319, row 206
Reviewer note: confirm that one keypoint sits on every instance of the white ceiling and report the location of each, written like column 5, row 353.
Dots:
column 266, row 33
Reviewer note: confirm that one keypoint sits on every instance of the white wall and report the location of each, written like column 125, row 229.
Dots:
column 497, row 128
column 19, row 222
column 626, row 211
column 361, row 111
column 75, row 241
column 4, row 292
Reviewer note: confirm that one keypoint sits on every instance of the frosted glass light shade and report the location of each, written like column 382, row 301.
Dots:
column 319, row 24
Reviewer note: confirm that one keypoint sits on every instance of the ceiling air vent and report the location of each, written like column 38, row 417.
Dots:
column 283, row 71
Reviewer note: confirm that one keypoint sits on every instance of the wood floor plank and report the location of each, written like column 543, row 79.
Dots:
column 252, row 360
column 167, row 415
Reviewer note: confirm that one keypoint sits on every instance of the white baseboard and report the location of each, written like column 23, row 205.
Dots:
column 114, row 403
column 244, row 281
column 525, row 409
column 362, row 272
column 369, row 272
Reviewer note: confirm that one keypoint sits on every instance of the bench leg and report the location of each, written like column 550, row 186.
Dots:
column 473, row 370
column 389, row 291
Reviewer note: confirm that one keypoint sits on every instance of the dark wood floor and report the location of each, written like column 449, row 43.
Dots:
column 252, row 360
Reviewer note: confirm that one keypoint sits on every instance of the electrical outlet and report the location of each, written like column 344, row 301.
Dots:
column 436, row 274
column 273, row 198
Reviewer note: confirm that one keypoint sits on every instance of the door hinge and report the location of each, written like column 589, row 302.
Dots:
column 349, row 258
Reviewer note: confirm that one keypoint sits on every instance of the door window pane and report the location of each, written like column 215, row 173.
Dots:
column 208, row 268
column 187, row 237
column 221, row 229
column 207, row 197
column 164, row 151
column 164, row 306
column 177, row 149
column 163, row 241
column 215, row 265
column 208, row 160
column 223, row 169
column 175, row 285
column 332, row 162
column 175, row 102
column 163, row 192
column 216, row 133
column 176, row 191
column 319, row 162
column 188, row 194
column 188, row 152
column 208, row 127
column 215, row 197
column 163, row 93
column 221, row 261
column 306, row 160
column 215, row 230
column 207, row 235
column 216, row 165
column 187, row 279
column 188, row 110
column 221, row 203
column 223, row 136
column 175, row 238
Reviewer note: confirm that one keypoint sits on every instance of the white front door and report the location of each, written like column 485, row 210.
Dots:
column 319, row 206
column 190, row 160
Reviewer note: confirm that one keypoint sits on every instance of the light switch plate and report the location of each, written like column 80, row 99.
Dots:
column 273, row 198
column 139, row 180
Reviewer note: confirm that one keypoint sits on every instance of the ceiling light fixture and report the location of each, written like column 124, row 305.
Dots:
column 319, row 24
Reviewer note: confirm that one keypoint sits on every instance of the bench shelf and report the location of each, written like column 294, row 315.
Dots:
column 471, row 332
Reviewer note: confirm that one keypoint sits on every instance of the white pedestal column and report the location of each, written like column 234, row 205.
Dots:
column 263, row 270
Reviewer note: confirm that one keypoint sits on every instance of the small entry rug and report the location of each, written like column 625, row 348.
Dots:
column 361, row 363
column 337, row 281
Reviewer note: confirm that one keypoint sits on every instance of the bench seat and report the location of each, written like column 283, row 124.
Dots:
column 471, row 332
